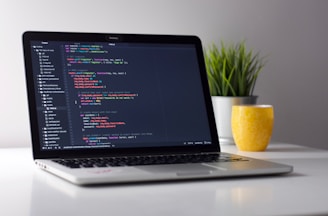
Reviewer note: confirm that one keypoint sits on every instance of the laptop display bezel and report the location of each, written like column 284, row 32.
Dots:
column 103, row 37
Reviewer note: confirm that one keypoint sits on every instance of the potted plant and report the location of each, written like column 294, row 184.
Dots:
column 232, row 72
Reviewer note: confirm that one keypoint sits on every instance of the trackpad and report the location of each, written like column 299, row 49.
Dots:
column 181, row 169
column 193, row 173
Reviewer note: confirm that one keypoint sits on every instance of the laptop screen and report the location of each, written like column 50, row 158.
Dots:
column 115, row 93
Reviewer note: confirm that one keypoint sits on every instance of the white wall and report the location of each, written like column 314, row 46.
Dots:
column 292, row 33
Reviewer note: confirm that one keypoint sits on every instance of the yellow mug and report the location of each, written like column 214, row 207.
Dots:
column 252, row 126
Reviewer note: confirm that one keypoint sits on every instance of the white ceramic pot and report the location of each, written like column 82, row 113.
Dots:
column 222, row 109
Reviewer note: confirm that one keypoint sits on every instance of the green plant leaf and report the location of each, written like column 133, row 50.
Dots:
column 232, row 70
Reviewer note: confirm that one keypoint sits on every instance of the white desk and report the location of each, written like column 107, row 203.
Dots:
column 26, row 190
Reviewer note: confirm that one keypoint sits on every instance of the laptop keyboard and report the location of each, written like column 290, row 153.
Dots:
column 147, row 160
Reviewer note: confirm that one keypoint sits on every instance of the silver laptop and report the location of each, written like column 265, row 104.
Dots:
column 116, row 108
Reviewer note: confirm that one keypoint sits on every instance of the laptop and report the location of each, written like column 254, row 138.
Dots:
column 120, row 108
